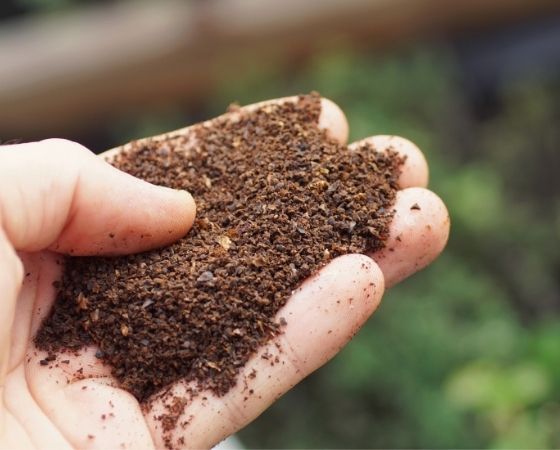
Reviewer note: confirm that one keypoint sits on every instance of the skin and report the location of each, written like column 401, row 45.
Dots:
column 58, row 198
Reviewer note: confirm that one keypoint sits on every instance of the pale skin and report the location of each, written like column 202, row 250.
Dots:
column 58, row 198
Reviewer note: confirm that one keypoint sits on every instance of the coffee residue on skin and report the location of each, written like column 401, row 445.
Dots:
column 277, row 199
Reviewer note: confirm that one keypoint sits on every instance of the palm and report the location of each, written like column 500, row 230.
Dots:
column 54, row 409
column 73, row 402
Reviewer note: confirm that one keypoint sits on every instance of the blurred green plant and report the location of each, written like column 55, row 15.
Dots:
column 41, row 6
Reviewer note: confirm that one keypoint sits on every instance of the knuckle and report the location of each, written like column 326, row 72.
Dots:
column 64, row 146
column 237, row 416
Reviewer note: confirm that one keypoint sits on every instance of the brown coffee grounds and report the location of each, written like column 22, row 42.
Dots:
column 276, row 200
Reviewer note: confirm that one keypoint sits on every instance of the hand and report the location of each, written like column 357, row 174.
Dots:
column 58, row 198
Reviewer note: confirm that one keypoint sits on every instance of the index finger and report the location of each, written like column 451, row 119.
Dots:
column 331, row 119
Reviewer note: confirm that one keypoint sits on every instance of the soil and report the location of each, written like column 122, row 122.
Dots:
column 276, row 200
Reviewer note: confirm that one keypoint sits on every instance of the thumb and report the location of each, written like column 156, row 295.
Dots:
column 57, row 195
column 11, row 275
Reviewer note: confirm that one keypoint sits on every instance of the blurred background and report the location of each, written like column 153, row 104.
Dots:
column 465, row 354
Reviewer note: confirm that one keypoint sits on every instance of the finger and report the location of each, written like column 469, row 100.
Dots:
column 322, row 316
column 331, row 119
column 418, row 234
column 56, row 194
column 11, row 276
column 414, row 171
column 24, row 307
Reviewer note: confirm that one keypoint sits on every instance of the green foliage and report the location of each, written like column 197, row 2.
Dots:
column 40, row 6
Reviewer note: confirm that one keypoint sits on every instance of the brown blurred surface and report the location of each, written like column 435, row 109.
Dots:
column 64, row 73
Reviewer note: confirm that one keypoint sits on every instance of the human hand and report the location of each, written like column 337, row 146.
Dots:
column 56, row 197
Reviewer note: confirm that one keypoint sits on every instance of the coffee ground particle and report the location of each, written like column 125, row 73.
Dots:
column 276, row 200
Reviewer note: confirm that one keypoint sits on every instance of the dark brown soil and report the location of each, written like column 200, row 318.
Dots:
column 276, row 201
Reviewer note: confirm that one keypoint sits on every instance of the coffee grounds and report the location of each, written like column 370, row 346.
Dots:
column 276, row 200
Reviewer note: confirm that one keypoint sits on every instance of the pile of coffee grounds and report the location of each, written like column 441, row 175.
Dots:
column 277, row 199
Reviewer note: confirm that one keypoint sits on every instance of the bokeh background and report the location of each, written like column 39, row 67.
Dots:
column 465, row 354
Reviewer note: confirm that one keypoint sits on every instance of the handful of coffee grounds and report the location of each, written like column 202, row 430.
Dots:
column 277, row 199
